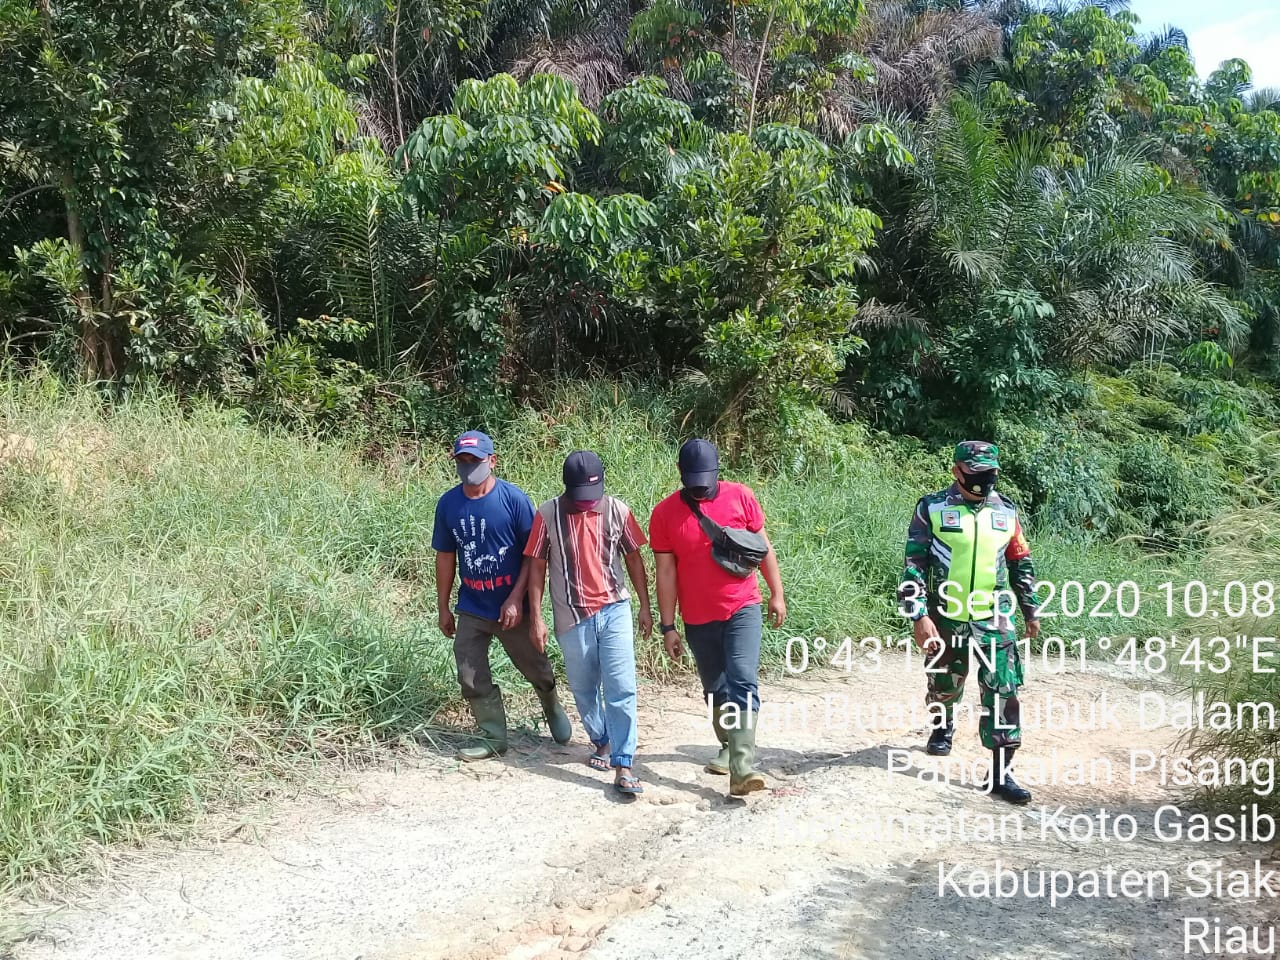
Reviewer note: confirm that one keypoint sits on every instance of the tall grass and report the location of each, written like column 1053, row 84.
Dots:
column 187, row 600
column 182, row 596
column 1239, row 545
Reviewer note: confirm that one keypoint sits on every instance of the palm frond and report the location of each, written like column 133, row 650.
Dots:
column 1262, row 98
column 594, row 60
column 875, row 315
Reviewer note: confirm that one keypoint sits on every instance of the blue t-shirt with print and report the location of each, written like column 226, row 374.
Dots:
column 488, row 534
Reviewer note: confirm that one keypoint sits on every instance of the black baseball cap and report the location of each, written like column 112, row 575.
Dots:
column 583, row 476
column 699, row 463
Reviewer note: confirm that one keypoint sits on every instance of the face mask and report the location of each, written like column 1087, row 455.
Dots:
column 583, row 506
column 703, row 493
column 980, row 482
column 473, row 474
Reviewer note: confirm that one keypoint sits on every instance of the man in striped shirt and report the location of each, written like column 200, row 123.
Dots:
column 584, row 537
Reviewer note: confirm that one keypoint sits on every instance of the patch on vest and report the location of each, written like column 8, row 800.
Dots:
column 950, row 519
column 999, row 520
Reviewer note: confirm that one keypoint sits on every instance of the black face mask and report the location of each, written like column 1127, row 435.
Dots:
column 980, row 483
column 702, row 493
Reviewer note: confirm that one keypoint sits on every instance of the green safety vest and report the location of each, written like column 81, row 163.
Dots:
column 972, row 545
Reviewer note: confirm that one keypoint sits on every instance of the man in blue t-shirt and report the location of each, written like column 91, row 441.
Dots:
column 481, row 528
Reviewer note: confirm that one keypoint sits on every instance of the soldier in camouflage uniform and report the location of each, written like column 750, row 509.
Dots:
column 966, row 562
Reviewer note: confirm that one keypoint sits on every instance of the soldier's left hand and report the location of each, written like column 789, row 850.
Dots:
column 1033, row 629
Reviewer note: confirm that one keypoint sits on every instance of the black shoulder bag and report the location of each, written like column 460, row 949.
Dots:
column 736, row 550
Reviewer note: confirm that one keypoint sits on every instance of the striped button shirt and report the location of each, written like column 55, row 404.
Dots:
column 584, row 551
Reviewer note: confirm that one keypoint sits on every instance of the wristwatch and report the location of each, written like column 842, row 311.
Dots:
column 665, row 628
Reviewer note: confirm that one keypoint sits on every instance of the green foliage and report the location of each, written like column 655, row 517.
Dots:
column 1164, row 490
column 1110, row 250
column 667, row 32
column 117, row 108
column 649, row 139
column 719, row 96
column 298, row 382
column 1031, row 227
column 1070, row 63
column 996, row 361
column 497, row 157
column 1083, row 202
column 766, row 250
column 485, row 176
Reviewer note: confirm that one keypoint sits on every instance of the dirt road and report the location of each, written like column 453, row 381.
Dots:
column 534, row 858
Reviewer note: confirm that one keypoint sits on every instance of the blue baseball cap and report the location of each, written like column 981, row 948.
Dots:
column 475, row 443
column 699, row 463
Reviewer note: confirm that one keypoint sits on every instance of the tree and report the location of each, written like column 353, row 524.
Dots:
column 482, row 178
column 751, row 267
column 1112, row 247
column 114, row 105
column 918, row 50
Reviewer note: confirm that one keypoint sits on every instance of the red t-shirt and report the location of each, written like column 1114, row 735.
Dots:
column 705, row 591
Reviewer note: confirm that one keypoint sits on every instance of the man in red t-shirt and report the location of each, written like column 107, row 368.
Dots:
column 721, row 611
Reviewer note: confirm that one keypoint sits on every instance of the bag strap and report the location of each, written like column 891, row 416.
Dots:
column 713, row 530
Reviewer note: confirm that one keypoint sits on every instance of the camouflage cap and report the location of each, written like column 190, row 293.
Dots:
column 978, row 455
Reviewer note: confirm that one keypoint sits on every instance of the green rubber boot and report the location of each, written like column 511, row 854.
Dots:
column 720, row 765
column 743, row 777
column 491, row 718
column 557, row 719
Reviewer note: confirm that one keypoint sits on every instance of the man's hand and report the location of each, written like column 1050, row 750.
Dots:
column 538, row 634
column 777, row 610
column 645, row 621
column 1033, row 629
column 926, row 635
column 448, row 626
column 511, row 614
column 671, row 641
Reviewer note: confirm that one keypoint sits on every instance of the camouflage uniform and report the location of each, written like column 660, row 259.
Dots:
column 955, row 548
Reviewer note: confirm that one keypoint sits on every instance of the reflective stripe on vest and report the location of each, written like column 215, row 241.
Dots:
column 970, row 544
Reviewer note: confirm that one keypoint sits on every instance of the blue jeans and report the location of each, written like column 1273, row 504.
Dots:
column 727, row 653
column 600, row 656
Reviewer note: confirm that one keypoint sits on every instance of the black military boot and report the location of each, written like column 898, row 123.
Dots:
column 940, row 740
column 1002, row 783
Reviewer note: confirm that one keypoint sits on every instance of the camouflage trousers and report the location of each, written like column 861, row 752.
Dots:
column 1000, row 674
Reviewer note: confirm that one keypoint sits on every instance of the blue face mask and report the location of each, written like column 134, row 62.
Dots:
column 473, row 473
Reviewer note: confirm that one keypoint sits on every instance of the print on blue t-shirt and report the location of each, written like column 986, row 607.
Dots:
column 488, row 534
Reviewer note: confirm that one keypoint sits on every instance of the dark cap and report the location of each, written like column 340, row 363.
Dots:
column 699, row 463
column 475, row 443
column 583, row 476
column 976, row 455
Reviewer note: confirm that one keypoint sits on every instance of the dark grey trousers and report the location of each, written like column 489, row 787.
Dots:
column 471, row 654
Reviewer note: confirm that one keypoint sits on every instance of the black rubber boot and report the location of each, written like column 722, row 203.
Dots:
column 1002, row 784
column 940, row 740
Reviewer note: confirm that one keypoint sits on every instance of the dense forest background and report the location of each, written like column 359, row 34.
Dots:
column 933, row 217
